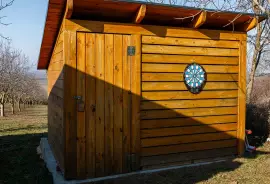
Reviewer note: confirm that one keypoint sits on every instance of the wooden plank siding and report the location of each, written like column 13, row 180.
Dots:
column 103, row 128
column 55, row 75
column 138, row 112
column 177, row 123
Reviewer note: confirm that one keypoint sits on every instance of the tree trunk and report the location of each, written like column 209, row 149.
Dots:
column 12, row 108
column 24, row 105
column 255, row 62
column 19, row 106
column 2, row 110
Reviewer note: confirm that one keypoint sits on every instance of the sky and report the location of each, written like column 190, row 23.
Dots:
column 27, row 18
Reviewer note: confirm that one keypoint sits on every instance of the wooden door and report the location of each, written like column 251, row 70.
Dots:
column 108, row 89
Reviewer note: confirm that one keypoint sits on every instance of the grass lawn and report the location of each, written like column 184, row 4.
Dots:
column 20, row 135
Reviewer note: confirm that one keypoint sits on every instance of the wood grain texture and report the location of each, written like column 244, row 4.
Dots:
column 171, row 68
column 90, row 104
column 140, row 14
column 100, row 95
column 155, row 40
column 187, row 121
column 178, row 157
column 182, row 104
column 204, row 51
column 185, row 95
column 163, row 31
column 188, row 147
column 70, row 118
column 109, row 103
column 199, row 20
column 242, row 99
column 161, row 132
column 81, row 166
column 184, row 139
column 176, row 113
column 186, row 59
column 148, row 77
column 136, row 98
column 118, row 103
column 173, row 86
column 126, row 103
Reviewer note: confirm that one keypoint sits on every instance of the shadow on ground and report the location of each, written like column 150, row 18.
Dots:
column 20, row 162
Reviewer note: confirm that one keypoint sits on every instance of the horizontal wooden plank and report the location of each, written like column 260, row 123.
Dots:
column 172, row 68
column 172, row 158
column 187, row 121
column 181, row 95
column 170, row 86
column 183, row 59
column 161, row 132
column 201, row 51
column 177, row 113
column 161, row 150
column 189, row 42
column 123, row 28
column 182, row 104
column 152, row 77
column 163, row 141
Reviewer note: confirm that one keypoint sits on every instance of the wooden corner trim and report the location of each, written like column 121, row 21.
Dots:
column 199, row 20
column 140, row 14
column 69, row 9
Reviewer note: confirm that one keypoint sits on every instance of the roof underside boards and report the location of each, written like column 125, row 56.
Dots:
column 125, row 11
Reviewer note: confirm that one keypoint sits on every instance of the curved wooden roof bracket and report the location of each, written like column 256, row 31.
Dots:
column 250, row 24
column 69, row 9
column 199, row 20
column 140, row 14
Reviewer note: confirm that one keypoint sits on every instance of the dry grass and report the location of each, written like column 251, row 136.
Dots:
column 20, row 135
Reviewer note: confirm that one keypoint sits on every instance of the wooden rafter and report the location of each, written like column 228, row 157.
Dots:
column 250, row 25
column 69, row 9
column 199, row 20
column 140, row 14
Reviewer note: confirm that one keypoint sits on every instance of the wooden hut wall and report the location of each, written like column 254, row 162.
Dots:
column 177, row 125
column 168, row 124
column 55, row 75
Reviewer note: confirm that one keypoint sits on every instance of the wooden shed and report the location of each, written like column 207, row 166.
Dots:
column 120, row 95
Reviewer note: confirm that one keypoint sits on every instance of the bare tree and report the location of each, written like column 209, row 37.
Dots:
column 4, row 4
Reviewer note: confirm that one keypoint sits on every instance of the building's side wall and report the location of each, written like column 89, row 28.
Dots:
column 55, row 76
column 176, row 125
column 171, row 126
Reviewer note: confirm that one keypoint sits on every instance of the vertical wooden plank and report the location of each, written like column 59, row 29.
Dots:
column 90, row 104
column 70, row 83
column 80, row 110
column 126, row 103
column 242, row 96
column 118, row 103
column 100, row 108
column 136, row 97
column 109, row 58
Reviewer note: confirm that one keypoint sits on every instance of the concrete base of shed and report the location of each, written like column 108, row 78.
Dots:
column 46, row 154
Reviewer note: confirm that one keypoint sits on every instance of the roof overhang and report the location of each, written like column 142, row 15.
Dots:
column 126, row 11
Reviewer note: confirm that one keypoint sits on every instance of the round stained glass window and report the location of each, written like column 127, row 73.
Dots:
column 194, row 78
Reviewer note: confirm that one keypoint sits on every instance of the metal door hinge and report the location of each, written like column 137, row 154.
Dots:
column 131, row 50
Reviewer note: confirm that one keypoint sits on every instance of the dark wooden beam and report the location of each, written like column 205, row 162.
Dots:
column 199, row 20
column 140, row 14
column 69, row 9
column 249, row 25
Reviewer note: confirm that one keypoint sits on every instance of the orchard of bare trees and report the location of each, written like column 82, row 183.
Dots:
column 18, row 86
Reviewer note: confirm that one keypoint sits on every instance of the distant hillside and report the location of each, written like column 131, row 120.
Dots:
column 42, row 79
